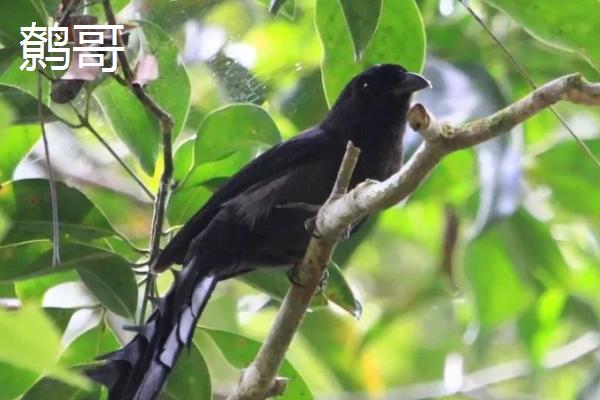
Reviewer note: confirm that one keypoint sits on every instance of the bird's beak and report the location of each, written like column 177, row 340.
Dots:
column 413, row 82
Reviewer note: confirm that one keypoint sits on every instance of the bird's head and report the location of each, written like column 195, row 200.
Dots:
column 376, row 99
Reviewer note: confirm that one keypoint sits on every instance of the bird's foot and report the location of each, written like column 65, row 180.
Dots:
column 311, row 226
column 293, row 275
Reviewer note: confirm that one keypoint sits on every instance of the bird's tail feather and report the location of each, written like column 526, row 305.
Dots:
column 139, row 370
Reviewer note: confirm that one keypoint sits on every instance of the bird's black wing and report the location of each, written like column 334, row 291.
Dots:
column 270, row 165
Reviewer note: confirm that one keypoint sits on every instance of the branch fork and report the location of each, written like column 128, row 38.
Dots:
column 342, row 209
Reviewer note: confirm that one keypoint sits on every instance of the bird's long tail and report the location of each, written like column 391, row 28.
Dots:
column 139, row 370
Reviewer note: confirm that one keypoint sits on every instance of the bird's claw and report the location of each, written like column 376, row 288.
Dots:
column 311, row 226
column 293, row 275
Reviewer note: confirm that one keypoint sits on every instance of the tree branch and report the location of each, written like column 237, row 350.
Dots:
column 166, row 124
column 258, row 380
column 341, row 211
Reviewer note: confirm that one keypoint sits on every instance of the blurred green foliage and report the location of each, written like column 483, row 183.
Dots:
column 525, row 276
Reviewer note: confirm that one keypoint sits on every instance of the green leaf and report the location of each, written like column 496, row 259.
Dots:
column 24, row 105
column 232, row 128
column 399, row 39
column 131, row 122
column 129, row 119
column 339, row 292
column 33, row 290
column 48, row 388
column 7, row 290
column 240, row 351
column 185, row 202
column 275, row 284
column 25, row 81
column 15, row 381
column 90, row 345
column 197, row 184
column 538, row 326
column 26, row 204
column 305, row 105
column 498, row 292
column 172, row 90
column 112, row 282
column 6, row 117
column 15, row 143
column 190, row 379
column 504, row 272
column 275, row 6
column 362, row 18
column 583, row 312
column 573, row 26
column 575, row 175
column 30, row 259
column 17, row 14
column 31, row 350
column 545, row 267
column 107, row 275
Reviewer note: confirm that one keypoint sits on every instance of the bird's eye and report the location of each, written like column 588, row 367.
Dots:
column 365, row 85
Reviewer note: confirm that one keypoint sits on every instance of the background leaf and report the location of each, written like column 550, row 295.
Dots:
column 172, row 88
column 14, row 15
column 190, row 380
column 400, row 20
column 579, row 23
column 29, row 349
column 15, row 143
column 232, row 128
column 47, row 388
column 131, row 122
column 240, row 351
column 362, row 18
column 27, row 204
column 111, row 281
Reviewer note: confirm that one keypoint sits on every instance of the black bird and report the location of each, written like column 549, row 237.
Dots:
column 246, row 223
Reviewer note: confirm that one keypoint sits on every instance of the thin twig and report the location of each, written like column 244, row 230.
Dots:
column 166, row 124
column 530, row 81
column 85, row 123
column 259, row 380
column 52, row 182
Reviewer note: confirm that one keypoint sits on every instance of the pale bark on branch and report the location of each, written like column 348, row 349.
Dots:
column 259, row 381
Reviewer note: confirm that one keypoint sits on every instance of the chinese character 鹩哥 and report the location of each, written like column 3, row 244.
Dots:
column 58, row 40
column 92, row 48
column 34, row 47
